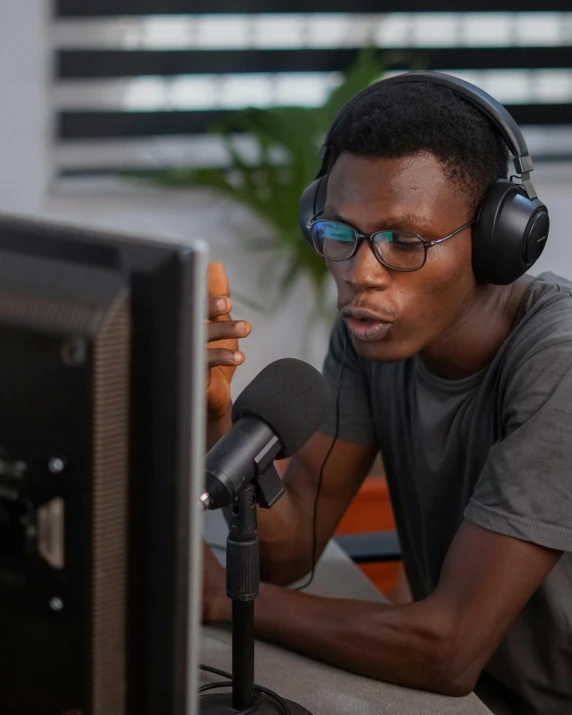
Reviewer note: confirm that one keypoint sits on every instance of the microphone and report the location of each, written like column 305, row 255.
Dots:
column 274, row 416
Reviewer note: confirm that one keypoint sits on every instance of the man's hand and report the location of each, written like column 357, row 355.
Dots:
column 223, row 355
column 216, row 606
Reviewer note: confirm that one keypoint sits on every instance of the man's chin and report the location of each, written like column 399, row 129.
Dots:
column 382, row 350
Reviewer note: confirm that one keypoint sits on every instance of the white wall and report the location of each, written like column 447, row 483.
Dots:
column 554, row 187
column 24, row 114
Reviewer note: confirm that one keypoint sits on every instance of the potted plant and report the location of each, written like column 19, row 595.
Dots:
column 287, row 142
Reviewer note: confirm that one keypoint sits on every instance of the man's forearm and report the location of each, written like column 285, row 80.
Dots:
column 284, row 554
column 404, row 644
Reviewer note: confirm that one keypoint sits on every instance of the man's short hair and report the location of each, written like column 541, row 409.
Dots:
column 411, row 118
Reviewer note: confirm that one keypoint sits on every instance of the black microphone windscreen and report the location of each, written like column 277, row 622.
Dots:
column 291, row 397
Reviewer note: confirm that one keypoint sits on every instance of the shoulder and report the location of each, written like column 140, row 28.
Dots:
column 548, row 298
column 537, row 360
column 545, row 318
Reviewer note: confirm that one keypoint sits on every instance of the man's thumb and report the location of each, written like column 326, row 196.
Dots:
column 217, row 280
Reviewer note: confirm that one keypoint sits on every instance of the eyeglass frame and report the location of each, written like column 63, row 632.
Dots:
column 427, row 244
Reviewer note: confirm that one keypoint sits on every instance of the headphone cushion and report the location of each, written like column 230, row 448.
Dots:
column 510, row 234
column 311, row 204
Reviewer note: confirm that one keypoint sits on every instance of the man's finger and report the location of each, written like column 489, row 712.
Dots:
column 217, row 280
column 219, row 306
column 227, row 330
column 220, row 356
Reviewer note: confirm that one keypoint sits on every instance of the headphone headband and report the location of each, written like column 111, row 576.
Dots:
column 501, row 118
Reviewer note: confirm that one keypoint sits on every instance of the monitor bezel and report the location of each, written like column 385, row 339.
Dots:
column 167, row 278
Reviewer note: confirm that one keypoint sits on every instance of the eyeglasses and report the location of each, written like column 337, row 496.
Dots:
column 398, row 250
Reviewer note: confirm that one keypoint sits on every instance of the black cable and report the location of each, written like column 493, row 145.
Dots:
column 321, row 477
column 215, row 671
column 282, row 704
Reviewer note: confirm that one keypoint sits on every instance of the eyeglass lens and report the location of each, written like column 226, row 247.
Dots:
column 337, row 241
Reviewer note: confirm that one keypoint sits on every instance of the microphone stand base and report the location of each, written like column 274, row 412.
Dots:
column 221, row 704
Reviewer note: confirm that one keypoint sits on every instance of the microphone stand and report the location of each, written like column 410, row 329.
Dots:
column 242, row 587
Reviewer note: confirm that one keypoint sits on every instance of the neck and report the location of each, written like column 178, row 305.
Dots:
column 471, row 343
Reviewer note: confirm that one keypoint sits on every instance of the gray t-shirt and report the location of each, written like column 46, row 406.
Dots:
column 494, row 448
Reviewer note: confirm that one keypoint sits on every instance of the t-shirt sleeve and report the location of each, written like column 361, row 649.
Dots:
column 355, row 415
column 525, row 487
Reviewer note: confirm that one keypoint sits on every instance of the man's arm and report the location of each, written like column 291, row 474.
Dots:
column 286, row 530
column 439, row 644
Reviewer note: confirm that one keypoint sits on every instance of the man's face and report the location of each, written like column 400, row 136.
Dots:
column 411, row 194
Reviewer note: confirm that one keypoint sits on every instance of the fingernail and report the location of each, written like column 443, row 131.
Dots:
column 241, row 327
column 237, row 357
column 221, row 304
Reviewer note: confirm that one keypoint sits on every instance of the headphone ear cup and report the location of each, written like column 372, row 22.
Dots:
column 311, row 204
column 510, row 234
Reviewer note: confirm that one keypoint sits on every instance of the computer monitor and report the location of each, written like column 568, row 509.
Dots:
column 101, row 445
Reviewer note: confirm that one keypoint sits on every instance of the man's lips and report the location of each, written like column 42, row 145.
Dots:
column 366, row 325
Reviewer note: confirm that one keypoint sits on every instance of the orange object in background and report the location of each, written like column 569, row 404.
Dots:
column 371, row 510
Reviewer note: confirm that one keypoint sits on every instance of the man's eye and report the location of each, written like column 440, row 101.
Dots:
column 406, row 243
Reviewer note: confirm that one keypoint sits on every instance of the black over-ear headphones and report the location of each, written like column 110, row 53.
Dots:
column 512, row 225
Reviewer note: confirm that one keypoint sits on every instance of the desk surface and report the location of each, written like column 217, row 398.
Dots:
column 320, row 688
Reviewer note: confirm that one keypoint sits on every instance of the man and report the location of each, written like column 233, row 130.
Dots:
column 466, row 390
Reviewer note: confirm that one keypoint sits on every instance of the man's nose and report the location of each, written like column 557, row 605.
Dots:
column 364, row 272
